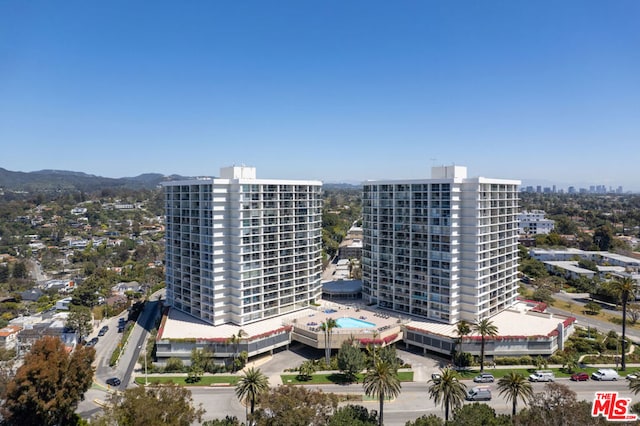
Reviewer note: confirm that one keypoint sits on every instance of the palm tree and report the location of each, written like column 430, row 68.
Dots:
column 484, row 328
column 463, row 329
column 235, row 340
column 625, row 288
column 250, row 386
column 514, row 386
column 328, row 327
column 634, row 386
column 448, row 391
column 382, row 381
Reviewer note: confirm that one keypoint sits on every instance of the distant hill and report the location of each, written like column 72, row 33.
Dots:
column 63, row 180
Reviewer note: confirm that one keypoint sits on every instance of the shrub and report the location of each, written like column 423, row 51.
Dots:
column 174, row 365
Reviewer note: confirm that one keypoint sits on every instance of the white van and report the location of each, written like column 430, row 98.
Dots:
column 479, row 393
column 605, row 374
column 542, row 376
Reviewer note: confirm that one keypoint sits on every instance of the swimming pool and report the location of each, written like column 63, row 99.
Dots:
column 348, row 322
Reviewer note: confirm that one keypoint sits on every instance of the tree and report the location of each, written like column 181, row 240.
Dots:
column 557, row 405
column 592, row 308
column 170, row 405
column 80, row 320
column 463, row 329
column 426, row 420
column 227, row 421
column 250, row 386
column 382, row 381
column 306, row 370
column 634, row 386
column 624, row 288
column 351, row 360
column 447, row 391
column 294, row 406
column 353, row 415
column 48, row 386
column 20, row 270
column 389, row 355
column 542, row 294
column 327, row 327
column 478, row 414
column 235, row 340
column 484, row 328
column 633, row 310
column 514, row 386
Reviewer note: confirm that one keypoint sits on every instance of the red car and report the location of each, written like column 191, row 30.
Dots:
column 579, row 377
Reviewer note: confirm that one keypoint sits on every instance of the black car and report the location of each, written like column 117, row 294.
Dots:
column 92, row 342
column 114, row 381
column 103, row 330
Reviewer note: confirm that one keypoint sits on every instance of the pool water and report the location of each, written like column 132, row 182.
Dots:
column 348, row 322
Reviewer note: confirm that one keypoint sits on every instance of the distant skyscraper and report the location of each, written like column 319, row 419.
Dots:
column 444, row 248
column 241, row 249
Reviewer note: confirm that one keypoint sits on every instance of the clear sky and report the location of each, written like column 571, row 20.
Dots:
column 341, row 91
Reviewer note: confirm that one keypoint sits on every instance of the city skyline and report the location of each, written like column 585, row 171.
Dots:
column 335, row 92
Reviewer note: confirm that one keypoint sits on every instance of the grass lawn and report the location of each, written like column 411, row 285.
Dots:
column 335, row 378
column 181, row 380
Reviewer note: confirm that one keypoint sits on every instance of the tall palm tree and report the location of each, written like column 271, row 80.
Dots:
column 463, row 328
column 235, row 340
column 381, row 381
column 514, row 386
column 327, row 327
column 625, row 288
column 484, row 328
column 250, row 386
column 448, row 391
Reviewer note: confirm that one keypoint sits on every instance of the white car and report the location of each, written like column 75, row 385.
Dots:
column 633, row 376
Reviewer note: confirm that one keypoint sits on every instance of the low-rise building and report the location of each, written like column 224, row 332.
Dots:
column 9, row 336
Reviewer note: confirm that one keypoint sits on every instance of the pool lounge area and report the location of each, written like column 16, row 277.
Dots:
column 352, row 323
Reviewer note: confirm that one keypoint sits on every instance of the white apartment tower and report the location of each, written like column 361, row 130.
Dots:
column 241, row 249
column 445, row 248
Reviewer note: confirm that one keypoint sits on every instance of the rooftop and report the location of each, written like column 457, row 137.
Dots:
column 520, row 320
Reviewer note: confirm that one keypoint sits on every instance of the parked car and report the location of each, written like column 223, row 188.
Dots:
column 484, row 378
column 633, row 376
column 113, row 381
column 605, row 374
column 542, row 376
column 103, row 330
column 92, row 342
column 436, row 377
column 580, row 377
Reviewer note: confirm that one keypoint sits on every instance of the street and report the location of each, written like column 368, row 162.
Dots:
column 222, row 401
column 411, row 404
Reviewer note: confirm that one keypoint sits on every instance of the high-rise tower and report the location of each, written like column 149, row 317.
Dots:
column 444, row 248
column 241, row 249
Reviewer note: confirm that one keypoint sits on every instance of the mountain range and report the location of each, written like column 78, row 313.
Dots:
column 64, row 180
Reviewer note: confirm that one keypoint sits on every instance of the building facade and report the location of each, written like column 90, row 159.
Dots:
column 534, row 223
column 241, row 249
column 444, row 249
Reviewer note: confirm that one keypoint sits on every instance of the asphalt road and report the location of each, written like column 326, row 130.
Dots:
column 411, row 404
column 125, row 367
column 590, row 321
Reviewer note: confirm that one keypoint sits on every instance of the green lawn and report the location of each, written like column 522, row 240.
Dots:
column 336, row 378
column 181, row 380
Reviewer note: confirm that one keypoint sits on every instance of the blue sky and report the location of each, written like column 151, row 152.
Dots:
column 333, row 90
